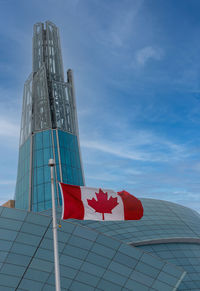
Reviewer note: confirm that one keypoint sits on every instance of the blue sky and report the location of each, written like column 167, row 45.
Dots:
column 137, row 77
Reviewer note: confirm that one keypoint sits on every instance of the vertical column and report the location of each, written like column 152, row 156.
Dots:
column 70, row 80
column 30, row 173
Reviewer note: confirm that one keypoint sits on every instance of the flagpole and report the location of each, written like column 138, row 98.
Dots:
column 55, row 240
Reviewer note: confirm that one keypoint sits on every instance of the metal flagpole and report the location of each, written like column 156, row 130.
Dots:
column 55, row 240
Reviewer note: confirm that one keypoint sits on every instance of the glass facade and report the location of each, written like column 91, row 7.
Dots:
column 45, row 145
column 23, row 175
column 167, row 230
column 89, row 260
column 184, row 255
column 49, row 127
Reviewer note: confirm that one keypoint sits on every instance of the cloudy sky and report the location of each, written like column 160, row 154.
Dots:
column 137, row 77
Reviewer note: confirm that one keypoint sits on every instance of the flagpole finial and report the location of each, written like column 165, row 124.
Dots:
column 51, row 163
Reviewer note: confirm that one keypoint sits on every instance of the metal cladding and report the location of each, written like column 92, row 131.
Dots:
column 48, row 101
column 49, row 107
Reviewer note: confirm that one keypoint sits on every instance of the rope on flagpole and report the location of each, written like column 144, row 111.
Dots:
column 55, row 240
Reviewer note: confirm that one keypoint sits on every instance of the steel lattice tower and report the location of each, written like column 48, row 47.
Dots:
column 49, row 125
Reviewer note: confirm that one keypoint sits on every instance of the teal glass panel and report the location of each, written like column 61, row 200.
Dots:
column 40, row 176
column 42, row 151
column 22, row 185
column 38, row 141
column 46, row 138
column 47, row 191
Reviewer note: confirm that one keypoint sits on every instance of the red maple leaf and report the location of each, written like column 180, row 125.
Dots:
column 103, row 204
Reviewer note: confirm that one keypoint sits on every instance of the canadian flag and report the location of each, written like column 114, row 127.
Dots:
column 87, row 203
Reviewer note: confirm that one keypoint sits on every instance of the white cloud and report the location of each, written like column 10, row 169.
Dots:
column 8, row 128
column 139, row 148
column 147, row 53
column 7, row 182
column 113, row 149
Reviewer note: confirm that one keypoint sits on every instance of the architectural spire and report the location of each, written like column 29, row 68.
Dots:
column 48, row 124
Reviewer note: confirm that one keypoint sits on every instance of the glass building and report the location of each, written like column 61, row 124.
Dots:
column 49, row 127
column 160, row 252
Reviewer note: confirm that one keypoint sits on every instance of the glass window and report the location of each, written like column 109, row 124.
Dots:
column 69, row 175
column 36, row 275
column 39, row 173
column 144, row 279
column 47, row 243
column 68, row 272
column 97, row 260
column 85, row 233
column 65, row 282
column 161, row 286
column 127, row 250
column 10, row 223
column 6, row 234
column 47, row 138
column 47, row 155
column 3, row 255
column 80, row 286
column 73, row 160
column 104, row 251
column 40, row 159
column 40, row 191
column 28, row 239
column 42, row 265
column 45, row 254
column 75, row 252
column 38, row 140
column 33, row 229
column 152, row 261
column 67, row 158
column 106, row 285
column 80, row 242
column 14, row 270
column 167, row 279
column 47, row 174
column 119, row 268
column 36, row 219
column 107, row 241
column 87, row 278
column 9, row 281
column 48, row 204
column 23, row 249
column 70, row 262
column 14, row 213
column 138, row 286
column 41, row 206
column 125, row 260
column 64, row 173
column 146, row 269
column 48, row 287
column 75, row 175
column 92, row 269
column 18, row 259
column 30, row 285
column 47, row 192
column 114, row 277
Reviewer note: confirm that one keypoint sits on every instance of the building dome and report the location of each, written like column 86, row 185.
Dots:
column 159, row 252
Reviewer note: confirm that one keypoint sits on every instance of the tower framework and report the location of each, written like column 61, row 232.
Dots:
column 49, row 127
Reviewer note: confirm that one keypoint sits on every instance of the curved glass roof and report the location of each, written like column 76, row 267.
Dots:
column 89, row 260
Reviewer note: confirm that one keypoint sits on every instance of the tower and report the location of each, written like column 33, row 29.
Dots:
column 49, row 127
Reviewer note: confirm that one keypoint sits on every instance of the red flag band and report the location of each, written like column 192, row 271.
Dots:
column 87, row 203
